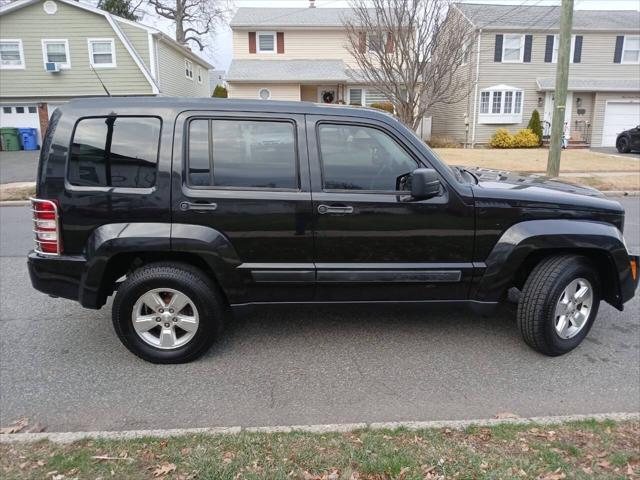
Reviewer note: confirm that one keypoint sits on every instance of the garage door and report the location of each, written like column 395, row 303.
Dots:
column 619, row 117
column 19, row 116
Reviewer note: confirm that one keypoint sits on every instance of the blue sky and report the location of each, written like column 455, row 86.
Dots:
column 219, row 49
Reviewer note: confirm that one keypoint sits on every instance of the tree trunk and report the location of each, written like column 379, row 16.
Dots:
column 179, row 20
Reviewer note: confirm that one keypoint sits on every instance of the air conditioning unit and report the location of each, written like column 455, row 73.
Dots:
column 52, row 67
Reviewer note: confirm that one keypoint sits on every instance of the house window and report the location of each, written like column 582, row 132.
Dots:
column 377, row 42
column 513, row 48
column 556, row 45
column 56, row 51
column 500, row 104
column 19, row 109
column 200, row 75
column 355, row 96
column 266, row 42
column 6, row 109
column 11, row 54
column 188, row 69
column 32, row 109
column 631, row 49
column 102, row 52
column 264, row 94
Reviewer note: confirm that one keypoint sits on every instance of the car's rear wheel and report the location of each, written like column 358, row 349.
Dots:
column 623, row 145
column 168, row 313
column 559, row 304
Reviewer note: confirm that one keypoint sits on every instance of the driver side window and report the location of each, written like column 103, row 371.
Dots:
column 355, row 157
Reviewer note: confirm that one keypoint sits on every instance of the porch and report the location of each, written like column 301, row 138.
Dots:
column 341, row 93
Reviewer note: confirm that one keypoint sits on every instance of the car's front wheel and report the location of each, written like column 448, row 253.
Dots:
column 559, row 304
column 623, row 145
column 168, row 313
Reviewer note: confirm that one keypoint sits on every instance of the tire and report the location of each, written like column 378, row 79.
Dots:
column 203, row 314
column 623, row 145
column 548, row 285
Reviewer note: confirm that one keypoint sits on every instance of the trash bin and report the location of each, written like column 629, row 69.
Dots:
column 10, row 139
column 29, row 138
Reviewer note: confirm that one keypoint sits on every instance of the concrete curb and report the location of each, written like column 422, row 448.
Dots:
column 14, row 203
column 70, row 437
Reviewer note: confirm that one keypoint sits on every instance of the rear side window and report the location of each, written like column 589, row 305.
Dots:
column 242, row 154
column 115, row 152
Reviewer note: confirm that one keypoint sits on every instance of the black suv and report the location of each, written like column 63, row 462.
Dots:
column 192, row 208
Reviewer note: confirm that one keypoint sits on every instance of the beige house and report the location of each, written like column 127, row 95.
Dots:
column 295, row 54
column 55, row 50
column 512, row 65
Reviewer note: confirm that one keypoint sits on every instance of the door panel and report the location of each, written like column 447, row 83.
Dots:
column 246, row 175
column 375, row 243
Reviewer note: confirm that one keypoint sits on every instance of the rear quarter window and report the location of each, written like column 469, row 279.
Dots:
column 114, row 152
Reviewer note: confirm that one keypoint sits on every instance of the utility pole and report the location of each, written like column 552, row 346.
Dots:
column 562, row 81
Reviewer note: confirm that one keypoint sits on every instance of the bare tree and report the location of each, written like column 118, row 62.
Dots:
column 193, row 18
column 411, row 51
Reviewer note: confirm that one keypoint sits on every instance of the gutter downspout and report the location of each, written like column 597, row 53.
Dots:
column 475, row 95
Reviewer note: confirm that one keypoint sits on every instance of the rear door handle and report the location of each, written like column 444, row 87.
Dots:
column 341, row 210
column 208, row 206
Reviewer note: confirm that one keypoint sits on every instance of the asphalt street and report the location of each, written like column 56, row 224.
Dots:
column 63, row 366
column 19, row 166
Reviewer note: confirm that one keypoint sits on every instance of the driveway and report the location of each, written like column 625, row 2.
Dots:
column 613, row 151
column 19, row 166
column 63, row 365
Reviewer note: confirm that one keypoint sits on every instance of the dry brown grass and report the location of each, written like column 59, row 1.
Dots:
column 626, row 183
column 17, row 191
column 535, row 160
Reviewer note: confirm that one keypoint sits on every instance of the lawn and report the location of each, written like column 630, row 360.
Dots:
column 579, row 450
column 535, row 160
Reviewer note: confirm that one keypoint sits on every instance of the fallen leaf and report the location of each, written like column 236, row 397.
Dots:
column 164, row 469
column 15, row 427
column 505, row 415
column 105, row 457
column 604, row 464
column 587, row 470
column 37, row 427
column 555, row 475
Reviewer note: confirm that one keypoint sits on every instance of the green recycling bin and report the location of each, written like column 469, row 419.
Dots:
column 10, row 139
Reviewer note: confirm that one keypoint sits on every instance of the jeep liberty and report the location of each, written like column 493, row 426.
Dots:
column 189, row 209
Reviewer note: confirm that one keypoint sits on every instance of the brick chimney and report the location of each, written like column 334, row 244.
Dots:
column 312, row 3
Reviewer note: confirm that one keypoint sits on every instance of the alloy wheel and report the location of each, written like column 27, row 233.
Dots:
column 573, row 308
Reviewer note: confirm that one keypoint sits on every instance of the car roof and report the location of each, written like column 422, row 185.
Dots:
column 180, row 104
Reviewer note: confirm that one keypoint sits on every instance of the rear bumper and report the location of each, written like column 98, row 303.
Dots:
column 61, row 276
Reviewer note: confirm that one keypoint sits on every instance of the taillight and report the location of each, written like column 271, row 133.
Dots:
column 46, row 226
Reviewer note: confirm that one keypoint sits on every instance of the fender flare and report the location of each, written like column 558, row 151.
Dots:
column 109, row 240
column 524, row 238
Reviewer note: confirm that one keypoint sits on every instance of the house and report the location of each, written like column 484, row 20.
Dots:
column 512, row 65
column 295, row 54
column 55, row 50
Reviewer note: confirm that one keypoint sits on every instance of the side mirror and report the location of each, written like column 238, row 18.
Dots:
column 425, row 183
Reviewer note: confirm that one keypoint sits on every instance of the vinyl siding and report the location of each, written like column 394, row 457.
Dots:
column 596, row 62
column 31, row 24
column 599, row 108
column 298, row 44
column 287, row 91
column 139, row 38
column 171, row 74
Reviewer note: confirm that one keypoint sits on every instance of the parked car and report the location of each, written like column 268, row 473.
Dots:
column 189, row 210
column 629, row 140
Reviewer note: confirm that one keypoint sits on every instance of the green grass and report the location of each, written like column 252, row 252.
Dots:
column 578, row 450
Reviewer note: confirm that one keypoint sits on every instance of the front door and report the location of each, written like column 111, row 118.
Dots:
column 245, row 177
column 548, row 108
column 373, row 242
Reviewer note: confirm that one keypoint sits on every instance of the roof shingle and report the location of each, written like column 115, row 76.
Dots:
column 286, row 70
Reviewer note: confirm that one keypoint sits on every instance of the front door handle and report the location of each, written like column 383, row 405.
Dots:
column 202, row 206
column 340, row 210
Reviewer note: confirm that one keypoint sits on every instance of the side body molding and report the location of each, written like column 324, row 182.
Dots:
column 525, row 238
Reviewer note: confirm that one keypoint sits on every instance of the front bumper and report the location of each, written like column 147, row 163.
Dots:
column 629, row 279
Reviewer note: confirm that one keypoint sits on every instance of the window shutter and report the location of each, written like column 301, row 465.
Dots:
column 528, row 43
column 389, row 47
column 252, row 42
column 548, row 49
column 617, row 56
column 362, row 47
column 497, row 57
column 577, row 49
column 280, row 41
